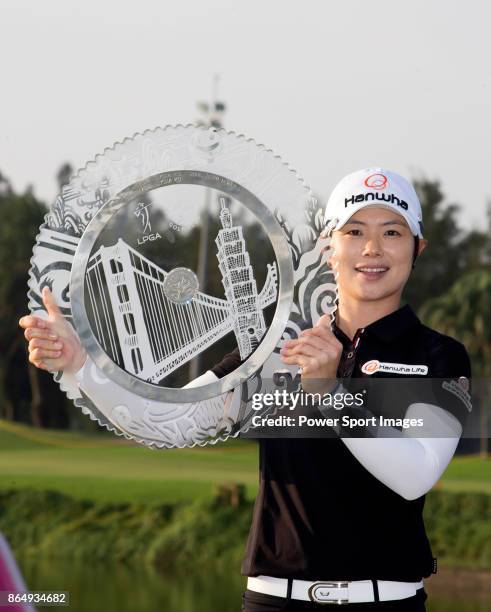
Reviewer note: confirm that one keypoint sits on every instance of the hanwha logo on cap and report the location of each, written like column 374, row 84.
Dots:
column 376, row 181
column 464, row 383
column 370, row 367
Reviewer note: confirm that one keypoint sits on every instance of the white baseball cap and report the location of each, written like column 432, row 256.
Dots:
column 373, row 187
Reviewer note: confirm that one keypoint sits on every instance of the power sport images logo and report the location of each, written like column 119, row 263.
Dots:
column 377, row 182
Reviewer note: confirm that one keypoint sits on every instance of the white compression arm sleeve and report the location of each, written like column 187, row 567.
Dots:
column 79, row 373
column 407, row 464
column 205, row 379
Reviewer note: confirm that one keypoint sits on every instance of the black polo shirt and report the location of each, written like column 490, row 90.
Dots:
column 319, row 514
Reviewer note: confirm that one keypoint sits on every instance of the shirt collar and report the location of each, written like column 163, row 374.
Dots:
column 387, row 328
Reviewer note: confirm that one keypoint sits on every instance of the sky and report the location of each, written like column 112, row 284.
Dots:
column 331, row 86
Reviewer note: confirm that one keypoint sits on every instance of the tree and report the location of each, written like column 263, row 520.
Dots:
column 63, row 175
column 438, row 266
column 475, row 247
column 26, row 393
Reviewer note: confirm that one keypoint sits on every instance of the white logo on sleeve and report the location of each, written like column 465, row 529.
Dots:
column 374, row 365
column 460, row 389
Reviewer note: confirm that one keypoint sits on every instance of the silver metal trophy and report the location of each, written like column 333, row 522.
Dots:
column 167, row 252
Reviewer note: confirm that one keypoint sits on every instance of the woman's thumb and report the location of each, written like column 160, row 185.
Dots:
column 49, row 301
column 325, row 321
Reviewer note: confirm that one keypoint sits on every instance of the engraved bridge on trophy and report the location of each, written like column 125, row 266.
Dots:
column 151, row 321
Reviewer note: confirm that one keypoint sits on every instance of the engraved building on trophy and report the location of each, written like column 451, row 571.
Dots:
column 239, row 284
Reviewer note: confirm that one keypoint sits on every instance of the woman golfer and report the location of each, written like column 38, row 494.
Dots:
column 339, row 520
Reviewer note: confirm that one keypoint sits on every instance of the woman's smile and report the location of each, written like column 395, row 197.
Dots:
column 372, row 272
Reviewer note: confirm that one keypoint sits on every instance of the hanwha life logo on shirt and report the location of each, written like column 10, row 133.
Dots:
column 374, row 365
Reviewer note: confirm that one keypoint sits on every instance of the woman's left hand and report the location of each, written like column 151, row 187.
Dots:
column 317, row 351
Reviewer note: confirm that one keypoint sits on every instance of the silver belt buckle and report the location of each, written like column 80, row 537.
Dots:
column 325, row 592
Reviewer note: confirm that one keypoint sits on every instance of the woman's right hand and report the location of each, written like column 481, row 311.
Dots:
column 53, row 343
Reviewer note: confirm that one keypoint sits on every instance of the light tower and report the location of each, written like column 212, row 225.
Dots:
column 212, row 116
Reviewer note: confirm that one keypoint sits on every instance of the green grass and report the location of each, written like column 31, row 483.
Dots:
column 109, row 469
column 469, row 473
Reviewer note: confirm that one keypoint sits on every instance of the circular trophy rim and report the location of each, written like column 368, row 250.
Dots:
column 283, row 307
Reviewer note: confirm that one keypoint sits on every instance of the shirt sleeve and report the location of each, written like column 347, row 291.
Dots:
column 448, row 384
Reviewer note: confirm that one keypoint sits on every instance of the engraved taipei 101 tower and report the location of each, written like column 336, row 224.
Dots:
column 240, row 285
column 150, row 321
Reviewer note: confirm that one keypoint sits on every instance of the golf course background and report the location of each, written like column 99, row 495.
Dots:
column 97, row 497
